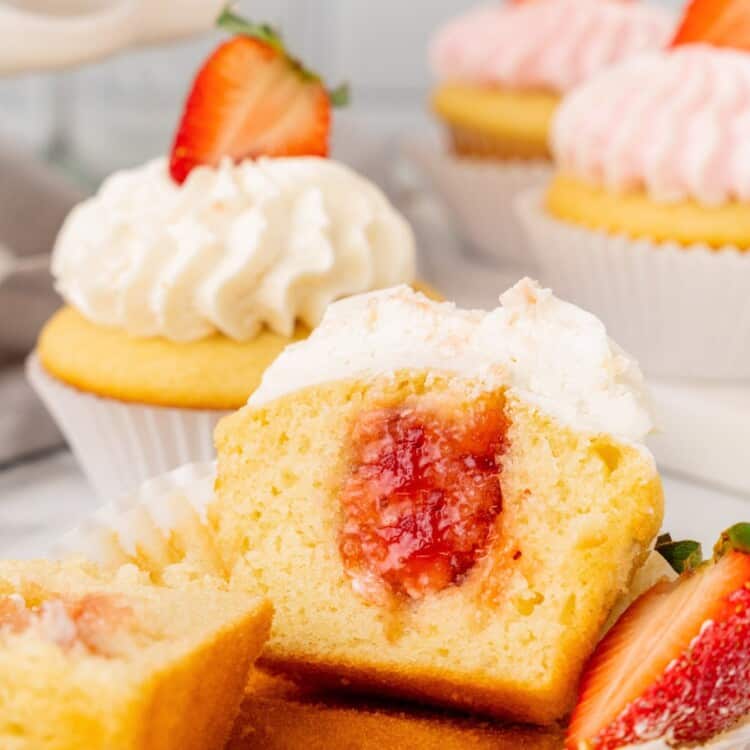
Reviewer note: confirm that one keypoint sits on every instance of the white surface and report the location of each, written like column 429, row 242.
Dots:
column 41, row 500
column 704, row 431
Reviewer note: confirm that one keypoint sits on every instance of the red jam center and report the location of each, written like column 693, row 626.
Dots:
column 422, row 497
column 88, row 621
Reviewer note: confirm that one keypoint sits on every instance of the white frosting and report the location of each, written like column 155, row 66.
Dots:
column 264, row 242
column 550, row 352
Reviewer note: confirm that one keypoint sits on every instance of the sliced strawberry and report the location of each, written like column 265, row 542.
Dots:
column 252, row 99
column 675, row 666
column 723, row 23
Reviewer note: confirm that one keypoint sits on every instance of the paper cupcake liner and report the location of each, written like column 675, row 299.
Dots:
column 118, row 444
column 682, row 311
column 481, row 194
column 477, row 144
column 159, row 526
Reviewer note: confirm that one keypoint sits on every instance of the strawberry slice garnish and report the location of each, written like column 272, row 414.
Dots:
column 252, row 99
column 723, row 23
column 676, row 666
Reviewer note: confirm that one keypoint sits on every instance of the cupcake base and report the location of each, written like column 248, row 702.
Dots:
column 214, row 372
column 683, row 311
column 495, row 122
column 119, row 445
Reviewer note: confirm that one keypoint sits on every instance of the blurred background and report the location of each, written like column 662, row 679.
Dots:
column 120, row 111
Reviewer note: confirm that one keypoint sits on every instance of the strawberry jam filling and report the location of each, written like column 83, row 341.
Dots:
column 87, row 622
column 422, row 497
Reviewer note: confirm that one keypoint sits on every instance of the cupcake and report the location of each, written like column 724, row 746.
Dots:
column 442, row 504
column 112, row 662
column 184, row 278
column 647, row 219
column 502, row 70
column 453, row 484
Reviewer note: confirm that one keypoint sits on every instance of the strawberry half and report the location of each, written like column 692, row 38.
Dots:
column 252, row 99
column 676, row 666
column 723, row 23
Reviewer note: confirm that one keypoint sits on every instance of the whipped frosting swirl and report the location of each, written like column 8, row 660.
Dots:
column 552, row 353
column 234, row 248
column 674, row 124
column 545, row 44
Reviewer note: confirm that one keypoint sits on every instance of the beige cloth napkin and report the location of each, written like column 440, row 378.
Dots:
column 34, row 200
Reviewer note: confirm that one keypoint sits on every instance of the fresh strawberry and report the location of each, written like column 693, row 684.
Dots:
column 676, row 666
column 723, row 23
column 251, row 99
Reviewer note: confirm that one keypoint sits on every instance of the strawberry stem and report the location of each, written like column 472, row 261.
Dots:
column 683, row 556
column 340, row 96
column 736, row 538
column 236, row 24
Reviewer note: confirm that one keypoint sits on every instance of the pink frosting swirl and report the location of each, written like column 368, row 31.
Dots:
column 675, row 123
column 545, row 44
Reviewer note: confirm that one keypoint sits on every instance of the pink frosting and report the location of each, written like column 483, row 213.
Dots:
column 674, row 123
column 545, row 44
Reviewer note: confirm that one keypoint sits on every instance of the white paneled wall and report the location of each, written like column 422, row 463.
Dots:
column 125, row 109
column 380, row 47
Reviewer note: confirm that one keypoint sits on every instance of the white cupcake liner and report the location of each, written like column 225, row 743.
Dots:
column 684, row 312
column 163, row 523
column 480, row 193
column 119, row 444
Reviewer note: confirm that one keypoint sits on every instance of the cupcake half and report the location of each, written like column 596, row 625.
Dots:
column 502, row 70
column 99, row 661
column 184, row 278
column 442, row 504
column 647, row 219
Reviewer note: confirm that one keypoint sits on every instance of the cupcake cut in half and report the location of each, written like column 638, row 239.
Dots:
column 442, row 504
column 89, row 660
